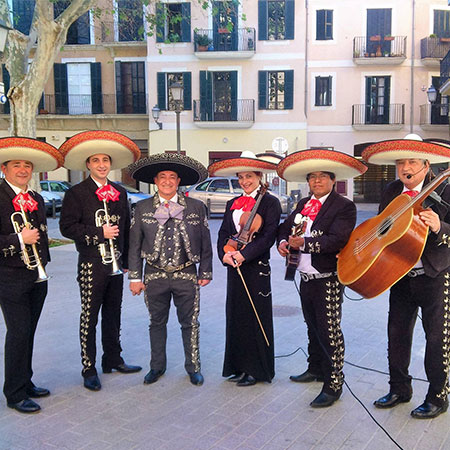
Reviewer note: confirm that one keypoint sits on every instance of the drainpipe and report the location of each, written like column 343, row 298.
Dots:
column 413, row 55
column 305, row 106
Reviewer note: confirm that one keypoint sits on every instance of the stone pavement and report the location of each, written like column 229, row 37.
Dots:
column 173, row 414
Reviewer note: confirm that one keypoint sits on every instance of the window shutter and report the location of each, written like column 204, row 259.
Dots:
column 187, row 91
column 83, row 29
column 288, row 89
column 320, row 26
column 329, row 26
column 119, row 97
column 23, row 11
column 160, row 19
column 96, row 88
column 234, row 105
column 61, row 92
column 262, row 89
column 317, row 96
column 5, row 73
column 263, row 9
column 289, row 17
column 186, row 22
column 206, row 105
column 161, row 90
column 387, row 98
column 329, row 91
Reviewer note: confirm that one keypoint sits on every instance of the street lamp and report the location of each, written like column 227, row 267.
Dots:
column 176, row 90
column 432, row 94
column 155, row 114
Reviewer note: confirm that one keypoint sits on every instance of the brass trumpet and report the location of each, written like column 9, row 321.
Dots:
column 108, row 256
column 30, row 254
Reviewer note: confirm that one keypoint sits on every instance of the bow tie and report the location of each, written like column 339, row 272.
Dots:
column 26, row 201
column 168, row 210
column 245, row 203
column 311, row 208
column 411, row 193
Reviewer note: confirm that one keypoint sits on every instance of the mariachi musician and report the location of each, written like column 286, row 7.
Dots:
column 426, row 285
column 249, row 347
column 330, row 220
column 95, row 214
column 23, row 256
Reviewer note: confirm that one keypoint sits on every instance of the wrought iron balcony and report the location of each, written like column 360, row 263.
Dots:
column 393, row 114
column 208, row 42
column 224, row 111
column 434, row 48
column 445, row 69
column 379, row 49
column 434, row 114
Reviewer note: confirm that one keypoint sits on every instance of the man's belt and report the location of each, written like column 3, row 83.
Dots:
column 416, row 272
column 172, row 269
column 316, row 276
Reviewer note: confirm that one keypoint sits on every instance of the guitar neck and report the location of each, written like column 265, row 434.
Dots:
column 430, row 187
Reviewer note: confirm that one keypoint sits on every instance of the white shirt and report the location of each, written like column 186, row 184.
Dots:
column 237, row 213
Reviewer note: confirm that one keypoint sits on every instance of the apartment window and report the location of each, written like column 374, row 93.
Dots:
column 79, row 31
column 130, row 18
column 22, row 13
column 441, row 23
column 276, row 89
column 165, row 81
column 324, row 24
column 173, row 22
column 323, row 91
column 276, row 19
column 130, row 87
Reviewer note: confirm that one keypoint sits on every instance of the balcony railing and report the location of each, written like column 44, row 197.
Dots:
column 379, row 46
column 434, row 47
column 445, row 69
column 87, row 104
column 434, row 114
column 242, row 39
column 393, row 114
column 224, row 111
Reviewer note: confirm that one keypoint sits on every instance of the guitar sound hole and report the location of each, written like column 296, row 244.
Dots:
column 385, row 226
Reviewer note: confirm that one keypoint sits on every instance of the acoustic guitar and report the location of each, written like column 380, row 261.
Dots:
column 383, row 249
column 292, row 260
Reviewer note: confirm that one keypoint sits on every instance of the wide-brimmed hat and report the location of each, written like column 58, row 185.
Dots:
column 271, row 157
column 76, row 150
column 43, row 156
column 412, row 147
column 247, row 162
column 188, row 169
column 296, row 166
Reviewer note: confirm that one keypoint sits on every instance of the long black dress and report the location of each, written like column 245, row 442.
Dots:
column 245, row 348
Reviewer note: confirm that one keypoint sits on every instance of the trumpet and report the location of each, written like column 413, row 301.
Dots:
column 30, row 254
column 108, row 255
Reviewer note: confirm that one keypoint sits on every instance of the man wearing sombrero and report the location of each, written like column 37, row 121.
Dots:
column 426, row 285
column 171, row 234
column 22, row 288
column 330, row 221
column 95, row 214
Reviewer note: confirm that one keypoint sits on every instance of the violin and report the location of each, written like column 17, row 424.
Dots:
column 250, row 223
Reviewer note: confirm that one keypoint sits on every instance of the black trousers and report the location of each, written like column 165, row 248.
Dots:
column 21, row 300
column 406, row 296
column 321, row 303
column 98, row 289
column 182, row 287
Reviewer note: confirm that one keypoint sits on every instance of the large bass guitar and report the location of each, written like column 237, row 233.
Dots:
column 385, row 248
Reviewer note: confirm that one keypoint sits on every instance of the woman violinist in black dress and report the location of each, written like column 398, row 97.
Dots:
column 249, row 354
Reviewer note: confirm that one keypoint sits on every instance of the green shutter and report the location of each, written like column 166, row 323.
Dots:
column 320, row 25
column 186, row 22
column 187, row 91
column 5, row 73
column 317, row 96
column 61, row 92
column 161, row 90
column 206, row 104
column 119, row 97
column 263, row 9
column 387, row 99
column 262, row 89
column 96, row 88
column 160, row 21
column 289, row 17
column 288, row 89
column 330, row 91
column 234, row 103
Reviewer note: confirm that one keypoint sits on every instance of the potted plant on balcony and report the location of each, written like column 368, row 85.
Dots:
column 375, row 38
column 444, row 39
column 202, row 41
column 388, row 37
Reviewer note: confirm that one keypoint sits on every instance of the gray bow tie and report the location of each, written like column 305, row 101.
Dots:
column 167, row 210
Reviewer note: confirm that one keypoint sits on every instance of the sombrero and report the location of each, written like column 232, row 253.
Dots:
column 247, row 162
column 412, row 147
column 188, row 169
column 271, row 157
column 296, row 166
column 43, row 156
column 76, row 150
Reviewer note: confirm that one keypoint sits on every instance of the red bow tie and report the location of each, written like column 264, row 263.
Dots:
column 311, row 208
column 245, row 203
column 107, row 192
column 411, row 193
column 26, row 201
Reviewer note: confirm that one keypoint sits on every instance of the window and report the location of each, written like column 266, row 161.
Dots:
column 130, row 87
column 323, row 91
column 79, row 31
column 130, row 18
column 219, row 186
column 276, row 89
column 165, row 81
column 276, row 19
column 324, row 24
column 441, row 23
column 173, row 22
column 23, row 11
column 202, row 186
column 236, row 186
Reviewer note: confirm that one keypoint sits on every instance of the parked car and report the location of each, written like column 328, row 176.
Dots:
column 56, row 187
column 216, row 191
column 49, row 198
column 133, row 194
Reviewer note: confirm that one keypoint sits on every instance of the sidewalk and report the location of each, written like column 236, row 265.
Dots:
column 173, row 414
